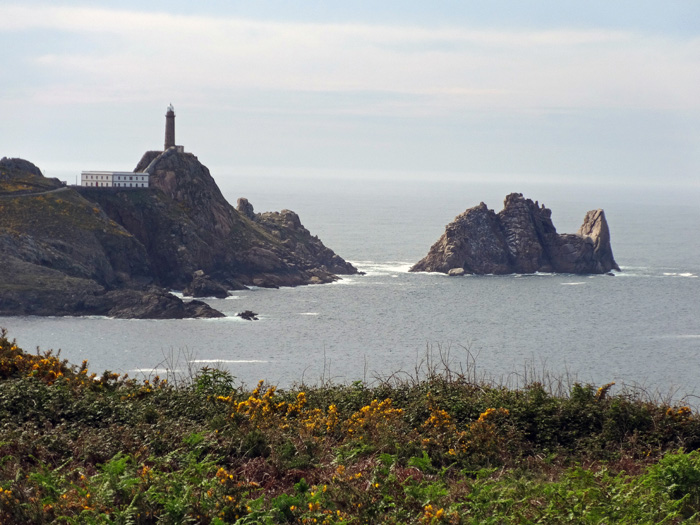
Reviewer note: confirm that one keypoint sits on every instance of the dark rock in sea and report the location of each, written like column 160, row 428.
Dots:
column 155, row 303
column 203, row 286
column 248, row 315
column 521, row 238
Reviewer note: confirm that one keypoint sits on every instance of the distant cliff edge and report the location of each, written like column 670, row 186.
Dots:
column 115, row 252
column 521, row 238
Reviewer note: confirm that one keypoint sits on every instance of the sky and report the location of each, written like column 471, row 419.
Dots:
column 595, row 92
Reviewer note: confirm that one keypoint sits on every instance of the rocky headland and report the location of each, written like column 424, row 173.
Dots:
column 521, row 238
column 116, row 252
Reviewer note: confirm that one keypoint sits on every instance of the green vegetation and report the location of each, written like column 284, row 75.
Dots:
column 80, row 448
column 16, row 182
column 64, row 214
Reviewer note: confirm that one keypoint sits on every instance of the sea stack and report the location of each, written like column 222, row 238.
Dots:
column 521, row 238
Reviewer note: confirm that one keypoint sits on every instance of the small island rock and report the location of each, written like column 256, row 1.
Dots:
column 521, row 238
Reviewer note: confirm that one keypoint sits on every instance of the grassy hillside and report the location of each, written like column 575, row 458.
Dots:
column 18, row 181
column 63, row 214
column 83, row 448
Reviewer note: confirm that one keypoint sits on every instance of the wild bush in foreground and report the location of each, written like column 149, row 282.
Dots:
column 80, row 448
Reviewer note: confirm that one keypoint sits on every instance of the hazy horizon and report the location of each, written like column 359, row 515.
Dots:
column 602, row 94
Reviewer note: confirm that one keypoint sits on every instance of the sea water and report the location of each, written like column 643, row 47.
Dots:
column 640, row 327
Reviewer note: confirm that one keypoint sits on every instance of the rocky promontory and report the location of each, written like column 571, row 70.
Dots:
column 187, row 226
column 117, row 251
column 521, row 238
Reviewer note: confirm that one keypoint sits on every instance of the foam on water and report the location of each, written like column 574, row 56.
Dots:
column 346, row 280
column 373, row 268
column 153, row 371
column 227, row 319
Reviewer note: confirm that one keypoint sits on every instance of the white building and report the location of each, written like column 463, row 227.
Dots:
column 114, row 179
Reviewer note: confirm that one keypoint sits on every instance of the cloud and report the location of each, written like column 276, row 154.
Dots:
column 204, row 59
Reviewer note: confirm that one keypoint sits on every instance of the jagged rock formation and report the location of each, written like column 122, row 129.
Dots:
column 188, row 226
column 202, row 286
column 521, row 238
column 112, row 251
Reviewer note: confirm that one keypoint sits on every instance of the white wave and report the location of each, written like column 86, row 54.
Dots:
column 153, row 370
column 571, row 284
column 346, row 280
column 382, row 268
column 237, row 361
column 678, row 336
column 232, row 297
column 635, row 271
column 680, row 274
column 227, row 319
column 177, row 293
column 308, row 313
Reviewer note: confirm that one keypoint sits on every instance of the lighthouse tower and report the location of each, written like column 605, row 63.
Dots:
column 170, row 127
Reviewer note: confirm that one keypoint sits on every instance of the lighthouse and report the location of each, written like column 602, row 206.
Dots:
column 170, row 127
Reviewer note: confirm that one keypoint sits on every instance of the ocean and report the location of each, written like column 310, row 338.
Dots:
column 640, row 328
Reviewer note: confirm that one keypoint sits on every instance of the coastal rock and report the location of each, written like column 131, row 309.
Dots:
column 245, row 208
column 186, row 224
column 474, row 241
column 248, row 315
column 100, row 251
column 155, row 304
column 595, row 228
column 521, row 238
column 37, row 290
column 203, row 286
column 62, row 255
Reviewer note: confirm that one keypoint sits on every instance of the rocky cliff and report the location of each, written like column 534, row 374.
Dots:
column 111, row 251
column 62, row 255
column 187, row 227
column 521, row 238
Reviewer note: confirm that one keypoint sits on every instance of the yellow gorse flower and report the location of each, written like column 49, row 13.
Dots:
column 490, row 412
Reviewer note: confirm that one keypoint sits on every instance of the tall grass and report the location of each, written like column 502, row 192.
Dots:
column 441, row 444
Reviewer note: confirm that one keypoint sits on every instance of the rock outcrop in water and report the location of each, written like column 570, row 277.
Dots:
column 186, row 225
column 115, row 252
column 521, row 238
